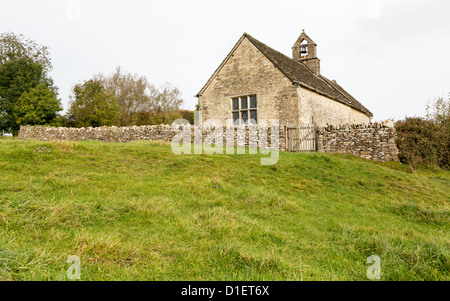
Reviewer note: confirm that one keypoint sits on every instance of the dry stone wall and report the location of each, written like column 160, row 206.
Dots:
column 375, row 141
column 239, row 136
column 105, row 134
column 370, row 141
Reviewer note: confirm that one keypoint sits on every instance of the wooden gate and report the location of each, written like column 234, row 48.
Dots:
column 302, row 138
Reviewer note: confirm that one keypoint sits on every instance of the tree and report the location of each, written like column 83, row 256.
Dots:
column 16, row 77
column 93, row 105
column 14, row 47
column 166, row 99
column 139, row 101
column 39, row 106
column 131, row 91
column 24, row 65
column 438, row 111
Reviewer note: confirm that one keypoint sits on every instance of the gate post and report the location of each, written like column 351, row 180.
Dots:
column 316, row 137
column 286, row 139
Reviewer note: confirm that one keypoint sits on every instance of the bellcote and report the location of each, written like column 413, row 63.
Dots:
column 305, row 51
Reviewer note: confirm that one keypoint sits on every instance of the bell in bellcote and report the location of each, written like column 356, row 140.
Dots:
column 303, row 49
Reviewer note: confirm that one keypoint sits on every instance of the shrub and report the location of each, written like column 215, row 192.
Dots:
column 423, row 143
column 188, row 115
column 155, row 118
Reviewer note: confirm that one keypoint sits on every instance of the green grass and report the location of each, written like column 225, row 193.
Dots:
column 136, row 211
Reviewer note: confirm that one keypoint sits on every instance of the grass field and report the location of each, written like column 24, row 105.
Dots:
column 136, row 211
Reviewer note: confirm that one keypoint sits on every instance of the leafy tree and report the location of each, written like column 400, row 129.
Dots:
column 39, row 106
column 131, row 91
column 16, row 77
column 13, row 47
column 438, row 110
column 24, row 65
column 167, row 98
column 135, row 94
column 138, row 101
column 93, row 105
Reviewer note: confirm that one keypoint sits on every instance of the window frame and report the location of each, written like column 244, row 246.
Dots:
column 248, row 110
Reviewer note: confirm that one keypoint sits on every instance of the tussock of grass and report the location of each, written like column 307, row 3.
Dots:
column 136, row 211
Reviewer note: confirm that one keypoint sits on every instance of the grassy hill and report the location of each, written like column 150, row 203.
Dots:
column 138, row 212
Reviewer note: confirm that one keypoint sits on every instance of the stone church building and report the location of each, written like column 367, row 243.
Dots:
column 256, row 82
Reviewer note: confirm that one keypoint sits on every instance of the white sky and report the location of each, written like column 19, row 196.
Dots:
column 390, row 55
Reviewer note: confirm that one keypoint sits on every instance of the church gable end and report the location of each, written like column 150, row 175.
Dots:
column 247, row 72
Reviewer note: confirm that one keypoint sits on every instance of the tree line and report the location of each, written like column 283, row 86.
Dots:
column 28, row 95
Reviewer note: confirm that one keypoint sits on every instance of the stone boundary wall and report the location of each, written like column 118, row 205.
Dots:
column 242, row 136
column 375, row 141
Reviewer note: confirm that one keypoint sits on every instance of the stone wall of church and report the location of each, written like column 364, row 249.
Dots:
column 326, row 111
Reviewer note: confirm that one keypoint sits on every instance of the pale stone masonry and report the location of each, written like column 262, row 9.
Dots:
column 240, row 135
column 291, row 90
column 372, row 141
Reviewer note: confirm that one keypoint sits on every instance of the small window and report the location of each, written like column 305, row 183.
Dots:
column 244, row 110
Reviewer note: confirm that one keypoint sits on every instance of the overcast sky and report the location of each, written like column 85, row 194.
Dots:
column 391, row 55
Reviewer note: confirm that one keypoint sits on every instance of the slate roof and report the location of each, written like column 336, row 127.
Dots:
column 300, row 74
